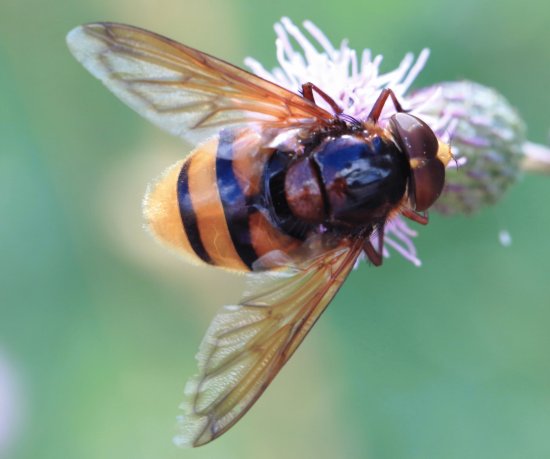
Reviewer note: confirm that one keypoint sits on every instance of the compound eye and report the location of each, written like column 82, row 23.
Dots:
column 416, row 139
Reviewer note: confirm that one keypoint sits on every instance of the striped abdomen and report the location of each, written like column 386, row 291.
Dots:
column 208, row 206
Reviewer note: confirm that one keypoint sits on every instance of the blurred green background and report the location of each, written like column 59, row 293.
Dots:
column 99, row 325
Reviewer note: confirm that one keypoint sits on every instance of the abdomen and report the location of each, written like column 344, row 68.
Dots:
column 208, row 205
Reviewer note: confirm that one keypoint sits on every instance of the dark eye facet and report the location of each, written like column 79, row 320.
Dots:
column 417, row 140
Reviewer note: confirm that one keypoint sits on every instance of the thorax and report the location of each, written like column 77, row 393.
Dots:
column 344, row 179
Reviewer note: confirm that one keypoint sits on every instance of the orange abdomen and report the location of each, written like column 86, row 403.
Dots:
column 206, row 206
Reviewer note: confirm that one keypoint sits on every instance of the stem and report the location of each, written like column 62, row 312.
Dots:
column 537, row 158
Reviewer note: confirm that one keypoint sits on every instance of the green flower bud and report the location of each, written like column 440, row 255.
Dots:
column 486, row 136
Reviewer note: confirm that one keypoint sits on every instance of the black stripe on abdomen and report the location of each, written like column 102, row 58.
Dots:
column 233, row 200
column 188, row 215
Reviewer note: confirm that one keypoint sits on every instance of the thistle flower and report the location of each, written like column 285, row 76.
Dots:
column 487, row 136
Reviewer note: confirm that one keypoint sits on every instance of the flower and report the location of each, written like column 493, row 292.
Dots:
column 487, row 136
column 354, row 83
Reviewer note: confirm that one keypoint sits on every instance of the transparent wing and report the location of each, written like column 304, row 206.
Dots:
column 247, row 344
column 182, row 90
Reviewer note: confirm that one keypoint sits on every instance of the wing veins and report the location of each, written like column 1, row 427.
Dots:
column 159, row 57
column 260, row 354
column 290, row 331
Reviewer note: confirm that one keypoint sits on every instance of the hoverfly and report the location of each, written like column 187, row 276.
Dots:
column 279, row 188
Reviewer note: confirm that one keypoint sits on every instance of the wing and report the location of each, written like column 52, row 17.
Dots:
column 247, row 344
column 182, row 90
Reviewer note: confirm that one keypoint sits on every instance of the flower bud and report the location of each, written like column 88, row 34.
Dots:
column 486, row 137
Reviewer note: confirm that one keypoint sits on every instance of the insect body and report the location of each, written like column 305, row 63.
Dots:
column 239, row 200
column 279, row 188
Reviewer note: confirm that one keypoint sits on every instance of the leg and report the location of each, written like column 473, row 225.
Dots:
column 380, row 102
column 375, row 257
column 415, row 216
column 307, row 91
